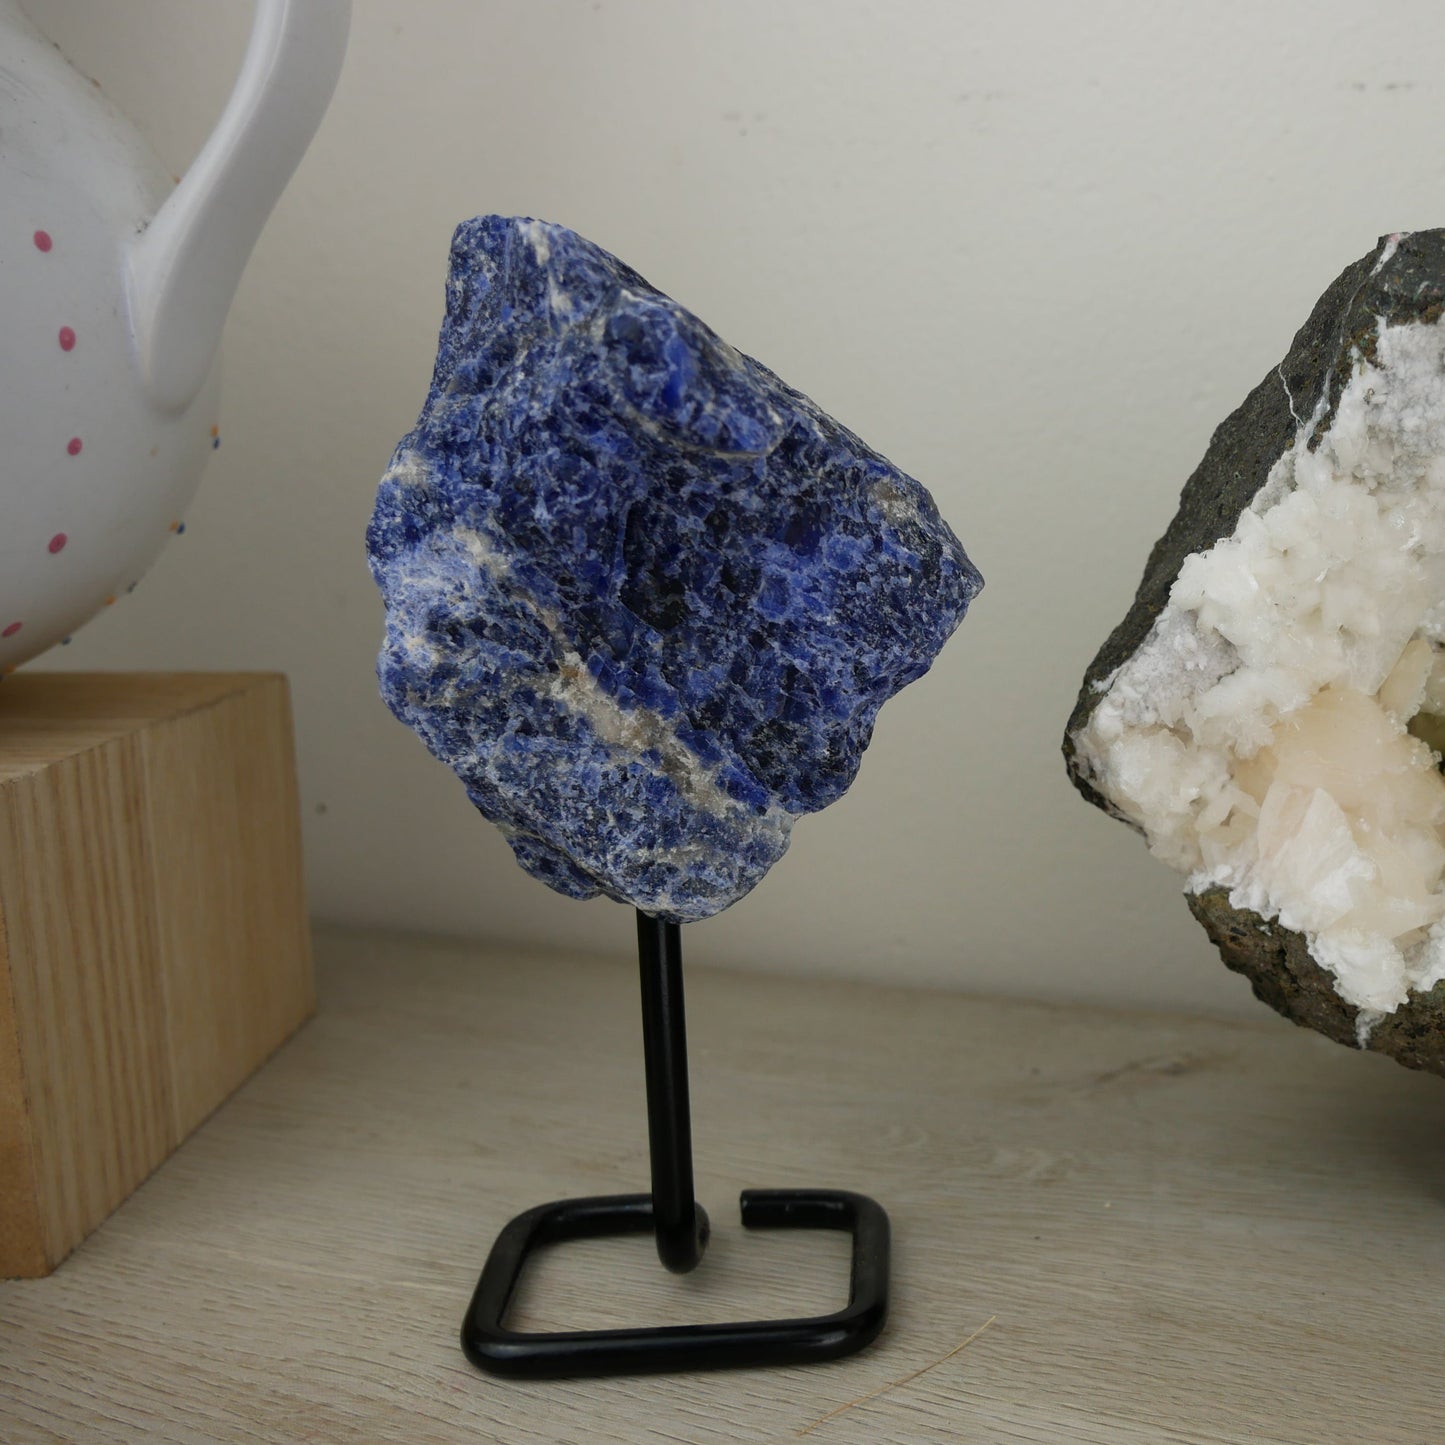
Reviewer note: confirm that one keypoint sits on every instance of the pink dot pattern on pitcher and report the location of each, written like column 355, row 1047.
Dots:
column 66, row 337
column 43, row 242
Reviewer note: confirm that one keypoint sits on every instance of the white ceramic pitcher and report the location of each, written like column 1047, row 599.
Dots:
column 114, row 286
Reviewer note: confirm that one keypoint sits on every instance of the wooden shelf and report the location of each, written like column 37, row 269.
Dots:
column 1183, row 1230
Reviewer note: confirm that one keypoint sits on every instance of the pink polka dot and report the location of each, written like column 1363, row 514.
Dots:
column 58, row 541
column 67, row 339
column 11, row 630
column 42, row 240
column 73, row 446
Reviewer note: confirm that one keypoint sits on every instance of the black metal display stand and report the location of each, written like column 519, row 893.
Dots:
column 680, row 1226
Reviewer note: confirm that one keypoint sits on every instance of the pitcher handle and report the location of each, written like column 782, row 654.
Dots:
column 185, row 266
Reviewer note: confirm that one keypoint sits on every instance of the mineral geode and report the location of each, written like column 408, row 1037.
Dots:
column 644, row 598
column 1268, row 713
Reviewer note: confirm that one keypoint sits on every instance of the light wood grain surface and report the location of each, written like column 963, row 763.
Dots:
column 1182, row 1230
column 154, row 948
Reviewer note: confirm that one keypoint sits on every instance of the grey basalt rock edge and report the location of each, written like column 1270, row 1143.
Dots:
column 1402, row 280
column 1277, row 963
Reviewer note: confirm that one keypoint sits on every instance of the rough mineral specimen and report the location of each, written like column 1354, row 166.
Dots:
column 1268, row 712
column 644, row 598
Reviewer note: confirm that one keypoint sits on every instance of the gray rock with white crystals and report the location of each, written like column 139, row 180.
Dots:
column 1266, row 714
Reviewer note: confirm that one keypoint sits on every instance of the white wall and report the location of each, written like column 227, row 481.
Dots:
column 1034, row 252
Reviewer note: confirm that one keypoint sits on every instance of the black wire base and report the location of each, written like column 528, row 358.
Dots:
column 680, row 1227
column 490, row 1345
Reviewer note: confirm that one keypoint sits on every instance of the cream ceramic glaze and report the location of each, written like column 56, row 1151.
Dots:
column 114, row 286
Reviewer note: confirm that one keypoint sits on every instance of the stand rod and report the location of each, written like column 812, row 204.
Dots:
column 680, row 1224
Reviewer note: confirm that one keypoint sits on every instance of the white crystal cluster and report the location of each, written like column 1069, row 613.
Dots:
column 1267, row 737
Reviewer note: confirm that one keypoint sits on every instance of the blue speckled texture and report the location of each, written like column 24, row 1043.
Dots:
column 643, row 597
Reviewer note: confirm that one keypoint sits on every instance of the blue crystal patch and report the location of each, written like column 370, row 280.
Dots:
column 643, row 597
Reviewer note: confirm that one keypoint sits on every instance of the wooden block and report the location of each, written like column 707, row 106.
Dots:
column 153, row 940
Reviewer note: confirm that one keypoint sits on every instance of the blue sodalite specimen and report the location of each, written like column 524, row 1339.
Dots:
column 642, row 596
